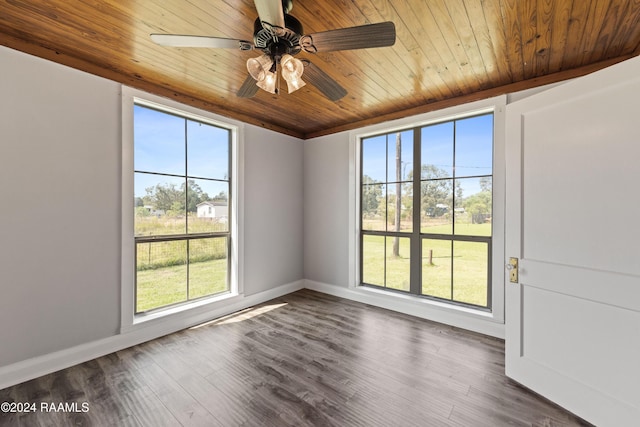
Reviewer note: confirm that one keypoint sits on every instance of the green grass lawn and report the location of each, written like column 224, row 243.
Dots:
column 168, row 285
column 462, row 229
column 375, row 258
column 432, row 225
column 462, row 277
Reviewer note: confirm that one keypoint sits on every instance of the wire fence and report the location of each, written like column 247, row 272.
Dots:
column 154, row 255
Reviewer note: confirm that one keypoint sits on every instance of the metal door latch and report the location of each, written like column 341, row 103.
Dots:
column 513, row 270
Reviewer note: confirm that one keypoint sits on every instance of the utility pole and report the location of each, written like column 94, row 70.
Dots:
column 396, row 240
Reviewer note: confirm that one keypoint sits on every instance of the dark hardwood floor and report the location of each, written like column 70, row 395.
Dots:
column 305, row 359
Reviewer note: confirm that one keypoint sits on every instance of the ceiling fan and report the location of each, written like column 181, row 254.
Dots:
column 280, row 37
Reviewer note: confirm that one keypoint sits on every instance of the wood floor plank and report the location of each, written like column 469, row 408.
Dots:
column 103, row 406
column 304, row 359
column 187, row 410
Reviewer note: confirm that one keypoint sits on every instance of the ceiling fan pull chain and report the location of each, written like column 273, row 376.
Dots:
column 277, row 77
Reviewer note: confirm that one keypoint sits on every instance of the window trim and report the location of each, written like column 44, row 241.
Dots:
column 437, row 310
column 130, row 321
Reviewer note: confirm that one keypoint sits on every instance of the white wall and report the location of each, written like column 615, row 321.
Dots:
column 273, row 209
column 60, row 152
column 60, row 225
column 326, row 203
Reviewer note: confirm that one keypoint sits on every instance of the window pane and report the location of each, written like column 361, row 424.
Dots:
column 207, row 150
column 159, row 141
column 159, row 205
column 404, row 156
column 207, row 267
column 436, row 268
column 373, row 260
column 208, row 204
column 374, row 158
column 470, row 272
column 473, row 206
column 437, row 151
column 474, row 146
column 436, row 206
column 373, row 204
column 399, row 211
column 398, row 257
column 161, row 274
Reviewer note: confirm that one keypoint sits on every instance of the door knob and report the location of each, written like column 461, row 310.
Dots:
column 512, row 266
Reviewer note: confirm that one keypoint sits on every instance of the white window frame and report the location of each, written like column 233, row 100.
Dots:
column 491, row 323
column 187, row 313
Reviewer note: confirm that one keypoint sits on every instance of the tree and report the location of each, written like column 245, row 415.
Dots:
column 221, row 196
column 141, row 211
column 195, row 195
column 163, row 196
column 479, row 206
column 178, row 201
column 485, row 183
column 459, row 192
column 436, row 191
column 371, row 194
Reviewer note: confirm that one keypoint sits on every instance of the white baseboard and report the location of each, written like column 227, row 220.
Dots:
column 42, row 365
column 460, row 317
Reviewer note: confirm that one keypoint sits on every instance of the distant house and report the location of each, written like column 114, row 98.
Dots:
column 153, row 211
column 218, row 209
column 439, row 210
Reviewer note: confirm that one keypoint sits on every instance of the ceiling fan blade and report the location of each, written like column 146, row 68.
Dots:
column 248, row 89
column 180, row 40
column 325, row 84
column 271, row 13
column 361, row 37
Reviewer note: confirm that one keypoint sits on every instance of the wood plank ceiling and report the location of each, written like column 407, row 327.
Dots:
column 447, row 51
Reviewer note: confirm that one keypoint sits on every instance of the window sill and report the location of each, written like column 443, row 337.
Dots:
column 480, row 321
column 483, row 313
column 185, row 314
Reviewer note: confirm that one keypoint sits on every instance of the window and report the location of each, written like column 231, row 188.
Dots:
column 429, row 233
column 182, row 201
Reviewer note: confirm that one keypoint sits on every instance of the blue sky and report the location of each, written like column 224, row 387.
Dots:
column 159, row 141
column 473, row 151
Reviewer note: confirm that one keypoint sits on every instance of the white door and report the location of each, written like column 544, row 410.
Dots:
column 573, row 221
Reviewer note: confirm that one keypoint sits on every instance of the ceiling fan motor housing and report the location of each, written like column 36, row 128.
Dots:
column 272, row 40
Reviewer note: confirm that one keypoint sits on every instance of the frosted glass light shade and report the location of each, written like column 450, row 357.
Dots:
column 259, row 67
column 292, row 70
column 268, row 83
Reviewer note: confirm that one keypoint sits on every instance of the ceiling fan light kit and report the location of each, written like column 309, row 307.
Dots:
column 280, row 37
